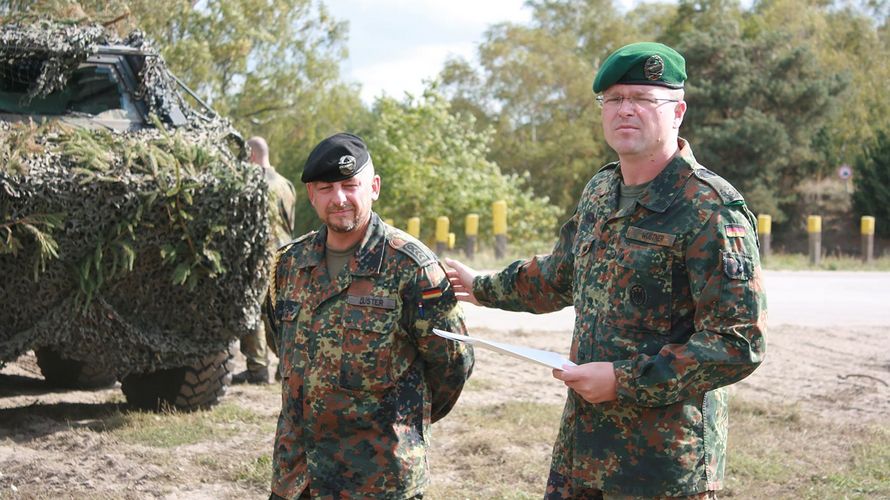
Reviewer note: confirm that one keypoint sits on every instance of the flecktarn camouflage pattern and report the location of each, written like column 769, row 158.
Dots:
column 363, row 376
column 132, row 233
column 670, row 291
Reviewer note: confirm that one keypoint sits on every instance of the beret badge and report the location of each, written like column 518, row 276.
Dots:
column 346, row 164
column 653, row 68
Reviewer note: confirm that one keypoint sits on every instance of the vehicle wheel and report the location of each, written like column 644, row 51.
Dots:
column 63, row 372
column 186, row 388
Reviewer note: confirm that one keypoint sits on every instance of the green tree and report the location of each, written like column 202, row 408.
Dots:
column 872, row 181
column 433, row 163
column 758, row 101
column 535, row 89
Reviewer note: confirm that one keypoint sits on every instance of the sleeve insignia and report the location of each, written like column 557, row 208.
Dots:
column 735, row 231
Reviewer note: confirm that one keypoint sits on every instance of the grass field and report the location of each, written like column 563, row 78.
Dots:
column 502, row 450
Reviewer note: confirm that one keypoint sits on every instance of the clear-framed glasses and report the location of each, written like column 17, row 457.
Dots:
column 615, row 101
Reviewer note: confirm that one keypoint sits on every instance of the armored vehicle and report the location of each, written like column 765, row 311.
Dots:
column 132, row 231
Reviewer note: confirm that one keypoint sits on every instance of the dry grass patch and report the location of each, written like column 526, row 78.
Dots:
column 493, row 451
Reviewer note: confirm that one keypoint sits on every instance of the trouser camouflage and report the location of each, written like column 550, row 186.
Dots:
column 560, row 487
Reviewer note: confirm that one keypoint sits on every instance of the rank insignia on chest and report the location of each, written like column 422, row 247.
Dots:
column 371, row 301
column 431, row 293
column 735, row 231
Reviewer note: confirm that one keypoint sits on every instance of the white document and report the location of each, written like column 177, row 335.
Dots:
column 546, row 358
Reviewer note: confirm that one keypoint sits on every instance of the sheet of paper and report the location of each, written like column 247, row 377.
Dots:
column 546, row 358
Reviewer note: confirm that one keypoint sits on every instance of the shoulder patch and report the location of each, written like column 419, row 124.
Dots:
column 608, row 166
column 727, row 193
column 298, row 240
column 413, row 250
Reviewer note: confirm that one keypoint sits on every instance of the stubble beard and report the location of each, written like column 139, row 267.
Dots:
column 341, row 224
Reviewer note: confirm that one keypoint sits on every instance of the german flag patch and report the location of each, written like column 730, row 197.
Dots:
column 431, row 293
column 735, row 231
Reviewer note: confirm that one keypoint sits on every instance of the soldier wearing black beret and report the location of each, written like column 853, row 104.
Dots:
column 661, row 263
column 363, row 375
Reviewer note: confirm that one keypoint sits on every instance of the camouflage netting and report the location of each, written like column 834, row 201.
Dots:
column 138, row 251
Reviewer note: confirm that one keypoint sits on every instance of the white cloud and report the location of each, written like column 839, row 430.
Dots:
column 407, row 72
column 396, row 44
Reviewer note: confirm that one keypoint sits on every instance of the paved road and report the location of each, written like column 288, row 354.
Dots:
column 804, row 298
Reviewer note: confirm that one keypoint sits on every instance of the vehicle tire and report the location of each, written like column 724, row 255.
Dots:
column 185, row 388
column 71, row 374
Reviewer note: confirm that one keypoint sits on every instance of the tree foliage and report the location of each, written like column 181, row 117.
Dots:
column 777, row 92
column 872, row 181
column 434, row 163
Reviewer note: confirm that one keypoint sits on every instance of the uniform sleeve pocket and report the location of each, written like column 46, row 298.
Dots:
column 737, row 300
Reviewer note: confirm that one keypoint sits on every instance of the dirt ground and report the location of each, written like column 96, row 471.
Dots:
column 56, row 443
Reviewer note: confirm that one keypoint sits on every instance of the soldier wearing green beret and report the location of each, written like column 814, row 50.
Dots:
column 363, row 375
column 661, row 264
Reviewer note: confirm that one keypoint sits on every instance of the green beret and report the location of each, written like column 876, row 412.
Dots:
column 643, row 63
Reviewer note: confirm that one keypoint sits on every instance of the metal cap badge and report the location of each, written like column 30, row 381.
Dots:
column 653, row 68
column 346, row 164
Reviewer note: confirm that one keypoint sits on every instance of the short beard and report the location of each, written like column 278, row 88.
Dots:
column 348, row 227
column 343, row 227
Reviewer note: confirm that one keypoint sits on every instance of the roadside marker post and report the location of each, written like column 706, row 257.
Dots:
column 814, row 229
column 867, row 228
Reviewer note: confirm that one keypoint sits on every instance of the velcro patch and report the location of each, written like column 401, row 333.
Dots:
column 737, row 266
column 371, row 301
column 735, row 231
column 653, row 237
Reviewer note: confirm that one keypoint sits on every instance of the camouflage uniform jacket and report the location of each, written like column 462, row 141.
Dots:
column 670, row 291
column 363, row 374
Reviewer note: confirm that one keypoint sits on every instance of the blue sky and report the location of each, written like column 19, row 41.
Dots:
column 395, row 44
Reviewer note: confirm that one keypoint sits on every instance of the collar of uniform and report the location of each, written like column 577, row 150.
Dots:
column 369, row 257
column 665, row 187
column 311, row 252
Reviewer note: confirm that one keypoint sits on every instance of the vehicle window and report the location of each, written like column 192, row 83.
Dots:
column 91, row 89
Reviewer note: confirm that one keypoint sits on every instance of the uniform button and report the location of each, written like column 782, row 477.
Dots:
column 601, row 244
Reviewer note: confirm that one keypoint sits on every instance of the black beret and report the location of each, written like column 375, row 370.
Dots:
column 643, row 63
column 336, row 158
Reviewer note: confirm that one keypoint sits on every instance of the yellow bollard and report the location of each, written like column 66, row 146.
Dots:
column 499, row 217
column 814, row 229
column 451, row 239
column 764, row 232
column 414, row 227
column 867, row 228
column 441, row 234
column 472, row 230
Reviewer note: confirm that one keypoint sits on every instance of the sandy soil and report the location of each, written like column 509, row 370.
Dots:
column 52, row 443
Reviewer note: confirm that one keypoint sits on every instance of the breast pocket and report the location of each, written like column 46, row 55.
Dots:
column 367, row 350
column 640, row 289
column 291, row 340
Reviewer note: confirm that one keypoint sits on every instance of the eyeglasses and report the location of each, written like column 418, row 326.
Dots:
column 614, row 102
